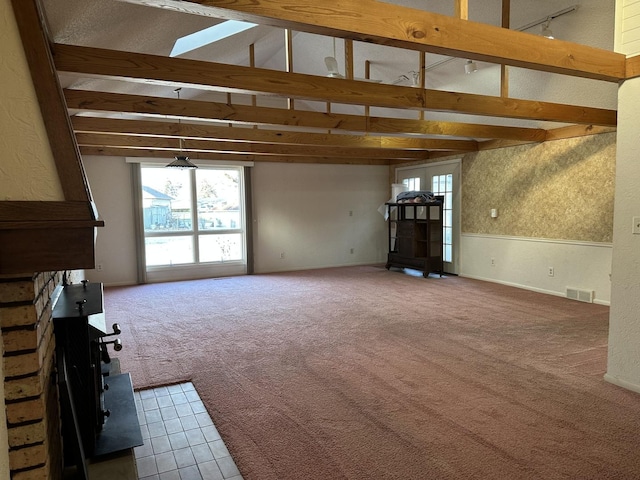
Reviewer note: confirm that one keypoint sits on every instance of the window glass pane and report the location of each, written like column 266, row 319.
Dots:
column 412, row 183
column 218, row 199
column 180, row 206
column 443, row 185
column 447, row 253
column 166, row 200
column 448, row 218
column 220, row 248
column 169, row 250
column 448, row 199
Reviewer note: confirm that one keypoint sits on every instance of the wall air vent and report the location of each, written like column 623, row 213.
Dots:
column 580, row 295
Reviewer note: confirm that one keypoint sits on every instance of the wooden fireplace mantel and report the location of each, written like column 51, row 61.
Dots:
column 47, row 236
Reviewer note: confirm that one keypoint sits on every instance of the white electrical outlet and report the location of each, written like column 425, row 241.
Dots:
column 550, row 272
column 281, row 254
column 493, row 262
column 635, row 229
column 99, row 267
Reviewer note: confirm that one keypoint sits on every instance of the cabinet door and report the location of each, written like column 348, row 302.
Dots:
column 405, row 240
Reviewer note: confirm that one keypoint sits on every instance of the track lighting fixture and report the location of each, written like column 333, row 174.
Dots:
column 545, row 31
column 470, row 67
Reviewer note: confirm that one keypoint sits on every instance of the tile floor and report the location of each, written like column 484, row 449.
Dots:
column 180, row 440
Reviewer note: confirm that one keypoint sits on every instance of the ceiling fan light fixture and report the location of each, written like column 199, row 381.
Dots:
column 470, row 67
column 182, row 161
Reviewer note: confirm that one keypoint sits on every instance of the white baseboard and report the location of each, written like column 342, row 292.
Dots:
column 622, row 383
column 525, row 263
column 299, row 268
column 527, row 287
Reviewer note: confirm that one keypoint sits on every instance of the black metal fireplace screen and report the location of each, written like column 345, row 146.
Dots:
column 98, row 411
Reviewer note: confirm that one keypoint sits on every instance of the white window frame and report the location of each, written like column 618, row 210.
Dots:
column 163, row 273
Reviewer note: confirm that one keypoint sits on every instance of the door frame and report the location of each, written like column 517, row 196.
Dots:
column 457, row 201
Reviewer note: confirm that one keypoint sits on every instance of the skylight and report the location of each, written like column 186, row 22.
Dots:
column 209, row 35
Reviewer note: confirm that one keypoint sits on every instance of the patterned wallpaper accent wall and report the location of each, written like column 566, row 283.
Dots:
column 561, row 189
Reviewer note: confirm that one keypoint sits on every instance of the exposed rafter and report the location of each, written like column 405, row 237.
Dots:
column 353, row 138
column 262, row 148
column 124, row 103
column 222, row 77
column 234, row 157
column 239, row 136
column 387, row 24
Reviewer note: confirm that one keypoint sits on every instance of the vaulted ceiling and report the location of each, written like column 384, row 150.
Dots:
column 264, row 94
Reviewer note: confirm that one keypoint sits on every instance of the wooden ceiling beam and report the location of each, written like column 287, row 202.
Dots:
column 461, row 9
column 430, row 127
column 108, row 140
column 576, row 131
column 176, row 72
column 168, row 154
column 633, row 67
column 138, row 104
column 560, row 133
column 385, row 24
column 222, row 77
column 141, row 128
column 258, row 148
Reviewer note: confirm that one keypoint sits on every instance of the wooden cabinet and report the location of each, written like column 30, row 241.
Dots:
column 415, row 236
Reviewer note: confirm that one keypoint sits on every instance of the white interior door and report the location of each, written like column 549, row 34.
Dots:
column 441, row 179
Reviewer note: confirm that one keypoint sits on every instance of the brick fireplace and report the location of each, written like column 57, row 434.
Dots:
column 31, row 394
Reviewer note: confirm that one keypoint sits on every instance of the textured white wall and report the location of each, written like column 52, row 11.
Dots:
column 624, row 325
column 112, row 190
column 27, row 170
column 303, row 212
column 524, row 263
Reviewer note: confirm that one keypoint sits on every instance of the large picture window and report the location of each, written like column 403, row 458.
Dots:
column 192, row 217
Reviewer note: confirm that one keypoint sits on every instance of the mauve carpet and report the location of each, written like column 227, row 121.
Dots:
column 364, row 373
